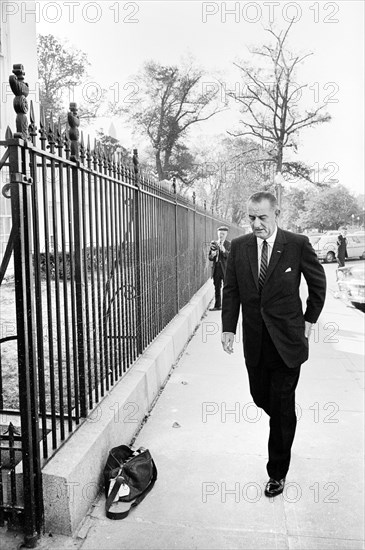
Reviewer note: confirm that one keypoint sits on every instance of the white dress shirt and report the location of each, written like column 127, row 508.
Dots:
column 270, row 241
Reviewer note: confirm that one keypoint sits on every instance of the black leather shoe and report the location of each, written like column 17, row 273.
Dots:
column 274, row 488
column 215, row 308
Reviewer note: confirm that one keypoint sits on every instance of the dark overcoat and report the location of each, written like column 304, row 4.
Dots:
column 222, row 259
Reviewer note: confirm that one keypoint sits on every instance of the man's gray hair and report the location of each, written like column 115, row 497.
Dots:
column 264, row 195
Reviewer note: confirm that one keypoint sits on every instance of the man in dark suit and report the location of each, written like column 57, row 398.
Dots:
column 341, row 247
column 218, row 255
column 263, row 277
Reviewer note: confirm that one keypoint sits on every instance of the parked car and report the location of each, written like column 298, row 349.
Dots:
column 326, row 247
column 351, row 284
column 314, row 237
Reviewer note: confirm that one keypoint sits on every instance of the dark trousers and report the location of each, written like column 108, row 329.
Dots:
column 272, row 386
column 341, row 260
column 218, row 282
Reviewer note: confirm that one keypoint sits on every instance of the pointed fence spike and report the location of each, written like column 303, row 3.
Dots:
column 31, row 112
column 32, row 130
column 42, row 121
column 8, row 133
column 58, row 129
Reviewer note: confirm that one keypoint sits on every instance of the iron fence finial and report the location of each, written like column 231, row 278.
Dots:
column 82, row 147
column 50, row 134
column 74, row 123
column 88, row 150
column 21, row 90
column 32, row 126
column 42, row 128
column 135, row 163
column 66, row 142
column 59, row 143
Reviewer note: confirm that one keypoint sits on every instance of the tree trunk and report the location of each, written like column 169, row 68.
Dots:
column 166, row 163
column 279, row 159
column 160, row 171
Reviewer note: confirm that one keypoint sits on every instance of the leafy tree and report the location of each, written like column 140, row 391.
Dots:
column 293, row 207
column 329, row 208
column 271, row 103
column 60, row 71
column 171, row 100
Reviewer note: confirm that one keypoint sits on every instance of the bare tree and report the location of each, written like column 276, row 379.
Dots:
column 271, row 98
column 230, row 170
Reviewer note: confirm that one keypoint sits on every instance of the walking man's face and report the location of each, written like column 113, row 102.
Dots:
column 262, row 218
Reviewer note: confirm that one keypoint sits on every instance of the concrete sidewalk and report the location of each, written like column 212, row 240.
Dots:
column 210, row 446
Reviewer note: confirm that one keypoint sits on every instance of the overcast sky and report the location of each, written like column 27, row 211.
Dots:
column 119, row 37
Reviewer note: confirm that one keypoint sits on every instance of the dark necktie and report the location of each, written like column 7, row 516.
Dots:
column 263, row 265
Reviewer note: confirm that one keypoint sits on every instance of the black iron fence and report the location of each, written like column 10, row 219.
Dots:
column 104, row 258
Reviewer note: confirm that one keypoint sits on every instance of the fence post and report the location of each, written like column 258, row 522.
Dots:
column 176, row 249
column 205, row 221
column 138, row 252
column 194, row 247
column 74, row 123
column 21, row 209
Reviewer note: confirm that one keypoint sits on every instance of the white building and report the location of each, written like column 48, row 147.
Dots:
column 18, row 44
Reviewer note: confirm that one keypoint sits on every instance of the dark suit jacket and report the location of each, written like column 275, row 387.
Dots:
column 279, row 305
column 341, row 247
column 222, row 258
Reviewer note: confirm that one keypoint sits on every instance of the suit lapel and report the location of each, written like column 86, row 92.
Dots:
column 253, row 259
column 276, row 254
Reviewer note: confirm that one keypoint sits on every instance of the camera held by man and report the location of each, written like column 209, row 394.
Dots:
column 214, row 246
